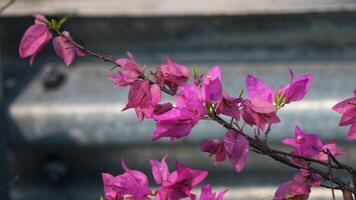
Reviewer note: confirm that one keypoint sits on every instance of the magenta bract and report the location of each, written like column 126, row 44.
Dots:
column 347, row 108
column 211, row 85
column 207, row 193
column 65, row 49
column 33, row 40
column 129, row 74
column 172, row 74
column 132, row 183
column 236, row 147
column 143, row 97
column 307, row 144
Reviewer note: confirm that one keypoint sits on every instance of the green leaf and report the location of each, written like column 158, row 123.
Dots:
column 48, row 23
column 195, row 70
column 62, row 21
column 54, row 24
column 241, row 93
column 277, row 98
column 102, row 198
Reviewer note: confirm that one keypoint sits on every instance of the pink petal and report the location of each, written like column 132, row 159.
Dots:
column 64, row 49
column 345, row 105
column 191, row 177
column 33, row 40
column 351, row 135
column 160, row 170
column 348, row 117
column 236, row 147
column 211, row 85
column 262, row 106
column 256, row 89
column 298, row 88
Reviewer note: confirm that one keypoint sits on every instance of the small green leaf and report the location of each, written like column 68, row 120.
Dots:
column 54, row 24
column 195, row 70
column 241, row 93
column 62, row 21
column 102, row 198
column 48, row 23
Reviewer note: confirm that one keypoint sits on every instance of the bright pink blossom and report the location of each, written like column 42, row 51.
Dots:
column 129, row 74
column 332, row 147
column 347, row 108
column 143, row 97
column 177, row 184
column 307, row 144
column 174, row 124
column 34, row 39
column 258, row 108
column 172, row 74
column 208, row 194
column 299, row 187
column 211, row 85
column 179, row 121
column 132, row 183
column 236, row 147
column 229, row 106
column 296, row 89
column 65, row 49
column 160, row 170
column 214, row 147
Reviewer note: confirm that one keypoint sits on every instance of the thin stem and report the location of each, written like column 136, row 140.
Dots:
column 7, row 5
column 329, row 172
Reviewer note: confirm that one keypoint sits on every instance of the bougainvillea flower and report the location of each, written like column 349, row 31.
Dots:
column 257, row 89
column 229, row 106
column 296, row 89
column 258, row 108
column 160, row 170
column 174, row 124
column 190, row 98
column 211, row 85
column 236, row 147
column 347, row 108
column 132, row 183
column 177, row 184
column 332, row 147
column 214, row 147
column 253, row 117
column 184, row 179
column 65, row 49
column 143, row 97
column 34, row 39
column 179, row 121
column 129, row 74
column 299, row 187
column 307, row 144
column 206, row 193
column 172, row 74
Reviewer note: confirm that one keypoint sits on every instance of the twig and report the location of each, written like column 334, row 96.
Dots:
column 329, row 172
column 8, row 4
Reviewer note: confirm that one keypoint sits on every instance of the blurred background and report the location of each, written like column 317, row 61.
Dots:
column 61, row 127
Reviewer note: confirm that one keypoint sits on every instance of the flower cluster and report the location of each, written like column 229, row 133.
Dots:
column 299, row 187
column 204, row 98
column 197, row 97
column 175, row 185
column 39, row 34
column 310, row 145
